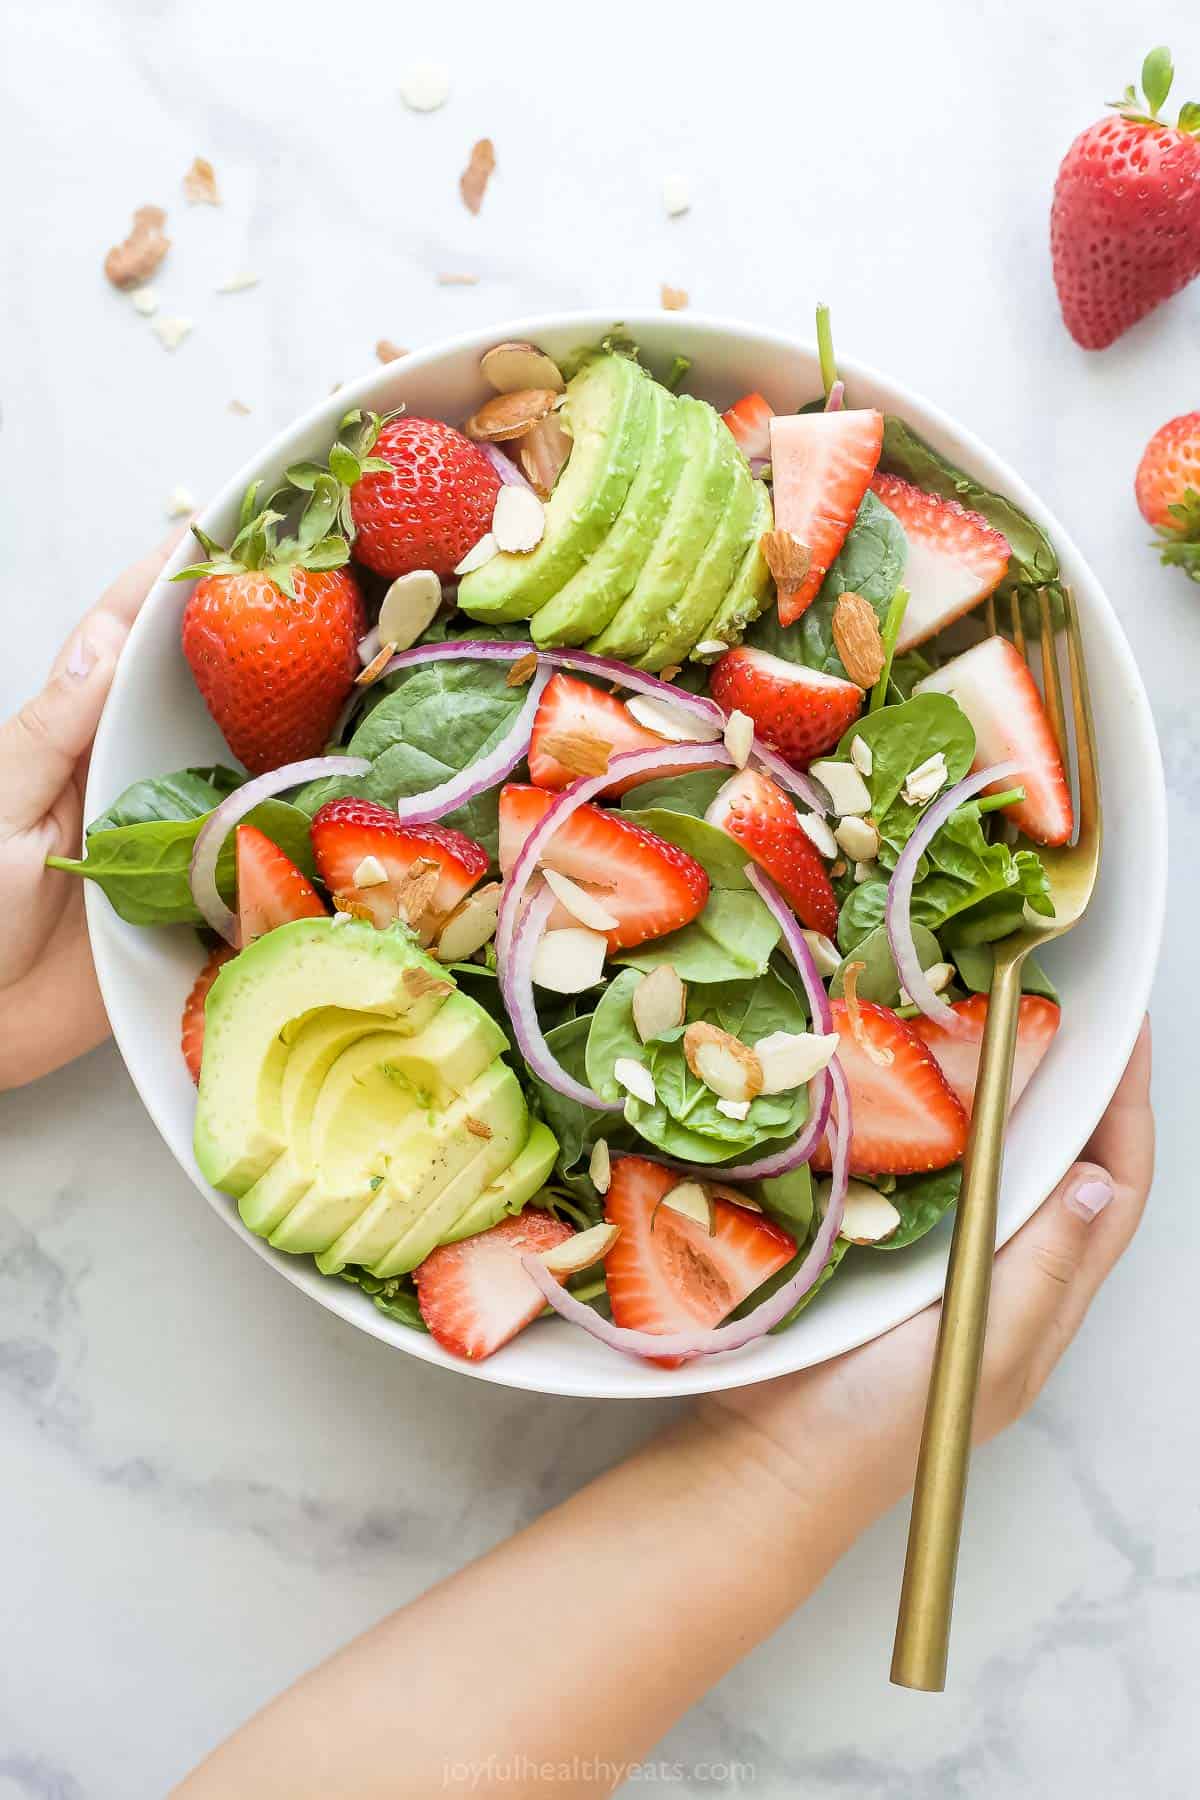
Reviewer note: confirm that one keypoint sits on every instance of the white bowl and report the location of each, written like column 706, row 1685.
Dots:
column 155, row 721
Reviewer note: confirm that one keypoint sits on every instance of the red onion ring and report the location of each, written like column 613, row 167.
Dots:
column 688, row 1344
column 898, row 911
column 202, row 870
column 837, row 397
column 479, row 776
column 516, row 987
column 506, row 469
column 369, row 646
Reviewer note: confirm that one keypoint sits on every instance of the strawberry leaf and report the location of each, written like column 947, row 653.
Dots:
column 1189, row 117
column 1158, row 72
column 330, row 553
column 303, row 474
column 321, row 511
column 344, row 465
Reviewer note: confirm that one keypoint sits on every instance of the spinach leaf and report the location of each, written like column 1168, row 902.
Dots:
column 433, row 721
column 396, row 1297
column 880, row 980
column 187, row 794
column 975, row 963
column 972, row 892
column 731, row 940
column 575, row 1126
column 722, row 857
column 789, row 1200
column 921, row 1200
column 684, row 1120
column 692, row 794
column 900, row 739
column 144, row 868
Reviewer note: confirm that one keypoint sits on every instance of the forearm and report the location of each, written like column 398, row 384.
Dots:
column 579, row 1641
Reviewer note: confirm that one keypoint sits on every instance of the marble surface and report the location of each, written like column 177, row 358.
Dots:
column 207, row 1482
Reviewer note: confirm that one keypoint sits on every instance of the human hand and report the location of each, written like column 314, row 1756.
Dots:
column 50, row 1006
column 862, row 1412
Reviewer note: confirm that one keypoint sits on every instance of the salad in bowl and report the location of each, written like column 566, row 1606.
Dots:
column 598, row 920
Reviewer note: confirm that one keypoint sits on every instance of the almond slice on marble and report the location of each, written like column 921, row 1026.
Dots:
column 659, row 1000
column 857, row 638
column 130, row 264
column 510, row 367
column 408, row 607
column 672, row 299
column 581, row 1251
column 578, row 902
column 570, row 960
column 425, row 86
column 470, row 926
column 722, row 1062
column 387, row 352
column 510, row 415
column 472, row 183
column 200, row 183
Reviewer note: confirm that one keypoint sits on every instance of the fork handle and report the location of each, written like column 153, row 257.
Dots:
column 935, row 1527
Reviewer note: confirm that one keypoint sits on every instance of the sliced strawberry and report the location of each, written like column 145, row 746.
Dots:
column 957, row 1052
column 955, row 559
column 906, row 1119
column 474, row 1295
column 995, row 689
column 665, row 1272
column 271, row 890
column 821, row 464
column 191, row 1031
column 749, row 419
column 574, row 714
column 759, row 815
column 348, row 833
column 649, row 886
column 798, row 711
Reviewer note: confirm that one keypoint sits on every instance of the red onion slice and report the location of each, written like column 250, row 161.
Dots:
column 202, row 870
column 516, row 987
column 688, row 1344
column 837, row 397
column 898, row 912
column 505, row 468
column 479, row 776
column 369, row 646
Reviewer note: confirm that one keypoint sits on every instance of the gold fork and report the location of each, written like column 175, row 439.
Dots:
column 935, row 1526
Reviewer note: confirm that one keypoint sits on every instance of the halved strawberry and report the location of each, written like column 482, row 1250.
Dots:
column 995, row 689
column 574, row 714
column 957, row 1052
column 346, row 834
column 821, row 464
column 474, row 1295
column 665, row 1272
column 955, row 558
column 191, row 1030
column 905, row 1116
column 749, row 419
column 798, row 711
column 753, row 810
column 271, row 890
column 649, row 886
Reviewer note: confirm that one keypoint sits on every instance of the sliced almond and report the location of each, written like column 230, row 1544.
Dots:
column 239, row 407
column 519, row 520
column 858, row 838
column 238, row 282
column 790, row 1059
column 345, row 906
column 129, row 264
column 180, row 502
column 862, row 755
column 145, row 301
column 865, row 871
column 414, row 896
column 509, row 415
column 690, row 1200
column 472, row 183
column 848, row 792
column 868, row 1217
column 571, row 960
column 636, row 1079
column 739, row 737
column 673, row 299
column 857, row 638
column 470, row 926
column 722, row 1062
column 787, row 558
column 734, row 1109
column 600, row 1166
column 523, row 670
column 579, row 903
column 375, row 668
column 425, row 86
column 659, row 1000
column 819, row 835
column 200, row 184
column 583, row 1250
column 478, row 554
column 719, row 1190
column 939, row 975
column 370, row 873
column 387, row 352
column 543, row 452
column 674, row 723
column 825, row 952
column 408, row 607
column 451, row 278
column 926, row 780
column 676, row 197
column 705, row 651
column 170, row 332
column 420, row 982
column 577, row 751
column 510, row 367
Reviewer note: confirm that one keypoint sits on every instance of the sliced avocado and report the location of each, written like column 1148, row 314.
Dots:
column 608, row 410
column 690, row 521
column 589, row 599
column 750, row 590
column 252, row 1016
column 686, row 623
column 523, row 1178
column 433, row 1167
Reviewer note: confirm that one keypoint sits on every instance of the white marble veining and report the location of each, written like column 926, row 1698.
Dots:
column 207, row 1482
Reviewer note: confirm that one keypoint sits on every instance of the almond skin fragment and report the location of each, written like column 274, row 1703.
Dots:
column 857, row 639
column 722, row 1062
column 375, row 668
column 578, row 751
column 478, row 1128
column 415, row 895
column 786, row 557
column 523, row 670
column 420, row 982
column 659, row 1000
column 673, row 299
column 200, row 184
column 510, row 367
column 543, row 452
column 509, row 416
column 127, row 265
column 478, row 172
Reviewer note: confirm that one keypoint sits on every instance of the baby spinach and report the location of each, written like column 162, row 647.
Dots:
column 789, row 1200
column 721, row 856
column 691, row 794
column 187, row 794
column 900, row 738
column 921, row 1200
column 396, row 1298
column 731, row 940
column 776, row 1281
column 971, row 891
column 684, row 1120
column 143, row 868
column 975, row 963
column 879, row 980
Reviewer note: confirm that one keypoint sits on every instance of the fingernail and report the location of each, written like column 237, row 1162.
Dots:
column 81, row 661
column 1091, row 1197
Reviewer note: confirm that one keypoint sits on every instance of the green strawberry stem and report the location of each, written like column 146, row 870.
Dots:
column 995, row 802
column 1158, row 72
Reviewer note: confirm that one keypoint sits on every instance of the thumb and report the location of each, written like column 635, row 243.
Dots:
column 40, row 745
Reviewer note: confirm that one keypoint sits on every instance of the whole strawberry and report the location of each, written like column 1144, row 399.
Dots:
column 1125, row 225
column 1168, row 491
column 271, row 632
column 429, row 506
